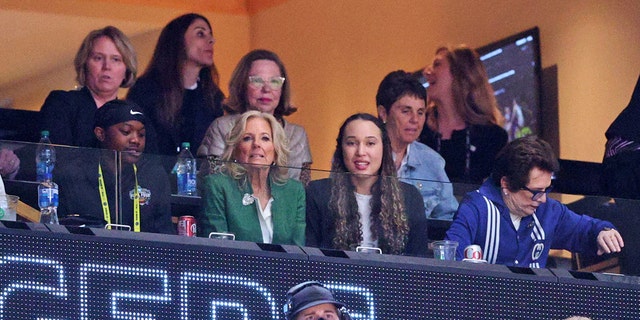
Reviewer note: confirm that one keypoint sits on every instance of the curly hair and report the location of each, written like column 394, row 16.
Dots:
column 278, row 172
column 472, row 94
column 237, row 101
column 165, row 67
column 388, row 215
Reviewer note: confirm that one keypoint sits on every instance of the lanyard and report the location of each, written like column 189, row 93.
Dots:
column 105, row 203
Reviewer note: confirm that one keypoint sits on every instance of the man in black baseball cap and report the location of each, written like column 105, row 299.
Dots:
column 312, row 301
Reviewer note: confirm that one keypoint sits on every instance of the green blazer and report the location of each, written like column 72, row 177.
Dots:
column 223, row 210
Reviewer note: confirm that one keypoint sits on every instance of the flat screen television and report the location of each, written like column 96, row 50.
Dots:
column 514, row 70
column 513, row 67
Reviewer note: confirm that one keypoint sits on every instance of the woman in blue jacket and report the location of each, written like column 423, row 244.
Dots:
column 516, row 223
column 401, row 101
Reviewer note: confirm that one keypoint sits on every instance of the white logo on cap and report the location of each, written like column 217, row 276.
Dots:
column 133, row 113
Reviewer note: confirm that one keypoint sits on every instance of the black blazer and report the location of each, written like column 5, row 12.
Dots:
column 70, row 116
column 192, row 123
column 320, row 229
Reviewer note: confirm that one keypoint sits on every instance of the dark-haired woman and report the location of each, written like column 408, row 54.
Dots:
column 179, row 89
column 363, row 203
column 515, row 222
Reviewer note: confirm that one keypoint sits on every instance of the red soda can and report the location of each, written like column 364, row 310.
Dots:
column 187, row 226
column 473, row 252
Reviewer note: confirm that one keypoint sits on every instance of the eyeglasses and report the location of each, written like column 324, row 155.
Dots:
column 537, row 194
column 274, row 83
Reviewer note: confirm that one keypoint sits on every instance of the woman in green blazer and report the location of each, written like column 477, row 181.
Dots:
column 252, row 196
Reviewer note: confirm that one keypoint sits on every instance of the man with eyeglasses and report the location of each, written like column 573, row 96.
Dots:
column 515, row 222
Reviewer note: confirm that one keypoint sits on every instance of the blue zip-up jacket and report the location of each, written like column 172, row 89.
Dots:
column 483, row 219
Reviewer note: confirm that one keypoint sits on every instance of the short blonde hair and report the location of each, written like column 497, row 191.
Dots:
column 124, row 47
column 280, row 144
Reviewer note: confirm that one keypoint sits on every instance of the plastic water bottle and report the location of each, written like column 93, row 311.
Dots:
column 45, row 158
column 48, row 202
column 186, row 171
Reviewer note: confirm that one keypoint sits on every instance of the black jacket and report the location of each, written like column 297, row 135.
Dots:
column 69, row 117
column 190, row 126
column 321, row 222
column 80, row 198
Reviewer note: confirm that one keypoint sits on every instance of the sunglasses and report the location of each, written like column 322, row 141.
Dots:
column 537, row 194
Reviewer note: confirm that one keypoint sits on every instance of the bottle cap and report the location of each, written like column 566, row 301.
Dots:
column 186, row 145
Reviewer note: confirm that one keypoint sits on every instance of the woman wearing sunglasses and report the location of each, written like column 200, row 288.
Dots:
column 259, row 82
column 513, row 219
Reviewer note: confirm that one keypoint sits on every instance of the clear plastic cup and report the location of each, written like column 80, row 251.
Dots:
column 444, row 250
column 8, row 207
